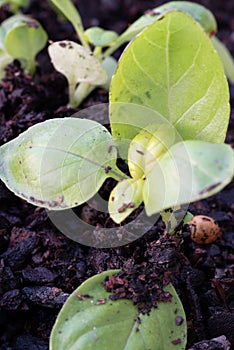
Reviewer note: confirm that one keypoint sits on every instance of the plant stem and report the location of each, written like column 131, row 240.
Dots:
column 30, row 66
column 113, row 48
column 117, row 174
column 80, row 34
column 79, row 94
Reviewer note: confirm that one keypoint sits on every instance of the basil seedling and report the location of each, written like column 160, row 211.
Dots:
column 22, row 37
column 169, row 103
column 89, row 319
column 102, row 43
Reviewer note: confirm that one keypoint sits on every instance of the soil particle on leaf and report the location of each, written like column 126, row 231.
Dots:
column 143, row 283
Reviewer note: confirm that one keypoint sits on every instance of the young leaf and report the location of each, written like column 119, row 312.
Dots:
column 174, row 216
column 5, row 58
column 226, row 58
column 172, row 69
column 70, row 12
column 148, row 146
column 201, row 14
column 59, row 163
column 110, row 65
column 24, row 38
column 90, row 320
column 78, row 64
column 189, row 171
column 15, row 4
column 125, row 198
column 100, row 37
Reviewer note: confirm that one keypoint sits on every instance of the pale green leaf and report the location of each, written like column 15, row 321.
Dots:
column 226, row 58
column 136, row 27
column 188, row 217
column 201, row 14
column 77, row 63
column 59, row 163
column 22, row 3
column 2, row 36
column 147, row 146
column 13, row 21
column 15, row 4
column 24, row 38
column 173, row 70
column 174, row 216
column 89, row 324
column 125, row 198
column 100, row 37
column 71, row 13
column 110, row 65
column 189, row 171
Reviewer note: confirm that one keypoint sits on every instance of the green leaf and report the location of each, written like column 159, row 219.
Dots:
column 59, row 163
column 100, row 37
column 174, row 216
column 24, row 38
column 110, row 65
column 136, row 27
column 22, row 3
column 226, row 58
column 2, row 36
column 148, row 146
column 15, row 4
column 201, row 14
column 77, row 63
column 71, row 13
column 90, row 324
column 189, row 171
column 125, row 198
column 172, row 70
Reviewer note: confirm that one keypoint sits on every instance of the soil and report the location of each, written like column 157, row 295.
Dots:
column 40, row 267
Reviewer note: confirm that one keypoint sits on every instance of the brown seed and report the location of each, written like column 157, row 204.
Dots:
column 204, row 229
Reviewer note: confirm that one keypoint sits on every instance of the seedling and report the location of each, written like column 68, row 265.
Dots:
column 102, row 43
column 169, row 112
column 175, row 153
column 15, row 5
column 90, row 320
column 21, row 37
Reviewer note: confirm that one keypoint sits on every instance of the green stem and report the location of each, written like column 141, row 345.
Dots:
column 80, row 33
column 113, row 48
column 117, row 174
column 98, row 52
column 79, row 94
column 30, row 66
column 71, row 94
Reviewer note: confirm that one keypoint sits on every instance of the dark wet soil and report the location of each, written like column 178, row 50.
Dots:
column 40, row 267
